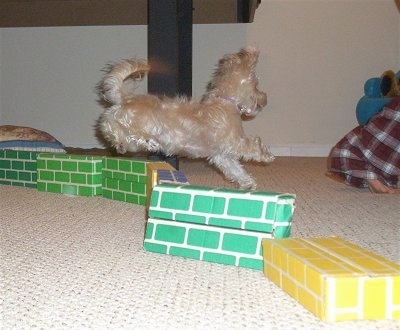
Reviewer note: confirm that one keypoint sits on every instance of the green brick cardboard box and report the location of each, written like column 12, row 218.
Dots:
column 70, row 174
column 18, row 168
column 125, row 179
column 218, row 225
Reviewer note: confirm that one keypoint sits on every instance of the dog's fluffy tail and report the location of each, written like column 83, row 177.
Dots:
column 120, row 80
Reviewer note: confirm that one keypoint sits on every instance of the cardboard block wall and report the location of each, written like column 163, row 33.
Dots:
column 213, row 224
column 334, row 279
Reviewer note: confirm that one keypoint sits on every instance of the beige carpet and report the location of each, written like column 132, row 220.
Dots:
column 77, row 262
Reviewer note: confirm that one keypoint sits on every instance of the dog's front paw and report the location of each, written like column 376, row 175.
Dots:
column 267, row 156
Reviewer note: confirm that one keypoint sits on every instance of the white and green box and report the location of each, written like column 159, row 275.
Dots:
column 18, row 168
column 70, row 174
column 124, row 179
column 218, row 225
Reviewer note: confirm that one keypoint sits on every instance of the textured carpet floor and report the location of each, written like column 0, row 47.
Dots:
column 78, row 263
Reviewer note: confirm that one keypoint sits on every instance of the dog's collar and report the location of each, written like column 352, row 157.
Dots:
column 240, row 108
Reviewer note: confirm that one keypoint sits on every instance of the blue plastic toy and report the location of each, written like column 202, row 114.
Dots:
column 373, row 101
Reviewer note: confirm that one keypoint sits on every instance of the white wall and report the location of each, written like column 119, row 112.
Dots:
column 49, row 76
column 1, row 74
column 398, row 9
column 315, row 58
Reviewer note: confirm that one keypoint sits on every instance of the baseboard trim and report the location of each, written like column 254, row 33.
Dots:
column 301, row 150
column 291, row 151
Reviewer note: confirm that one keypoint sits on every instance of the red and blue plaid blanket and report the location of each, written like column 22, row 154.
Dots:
column 371, row 151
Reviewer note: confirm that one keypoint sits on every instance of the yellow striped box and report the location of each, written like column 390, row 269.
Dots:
column 154, row 169
column 334, row 279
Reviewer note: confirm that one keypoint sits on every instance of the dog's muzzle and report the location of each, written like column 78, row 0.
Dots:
column 262, row 99
column 256, row 105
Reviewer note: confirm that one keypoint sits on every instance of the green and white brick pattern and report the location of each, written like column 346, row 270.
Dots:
column 214, row 244
column 268, row 212
column 18, row 168
column 219, row 225
column 70, row 174
column 125, row 179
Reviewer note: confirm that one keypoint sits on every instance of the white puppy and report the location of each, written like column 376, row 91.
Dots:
column 211, row 128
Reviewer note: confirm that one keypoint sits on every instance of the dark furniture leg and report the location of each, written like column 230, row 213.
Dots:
column 170, row 34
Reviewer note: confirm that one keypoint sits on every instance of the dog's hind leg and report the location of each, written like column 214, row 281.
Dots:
column 233, row 171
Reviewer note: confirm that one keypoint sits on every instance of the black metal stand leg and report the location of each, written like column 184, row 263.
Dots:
column 170, row 34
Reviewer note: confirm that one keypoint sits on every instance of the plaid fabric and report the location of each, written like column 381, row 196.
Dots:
column 371, row 151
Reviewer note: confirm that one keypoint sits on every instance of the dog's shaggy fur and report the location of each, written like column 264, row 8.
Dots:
column 211, row 128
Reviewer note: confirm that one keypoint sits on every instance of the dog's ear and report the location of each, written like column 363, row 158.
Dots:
column 249, row 56
column 229, row 60
column 246, row 59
